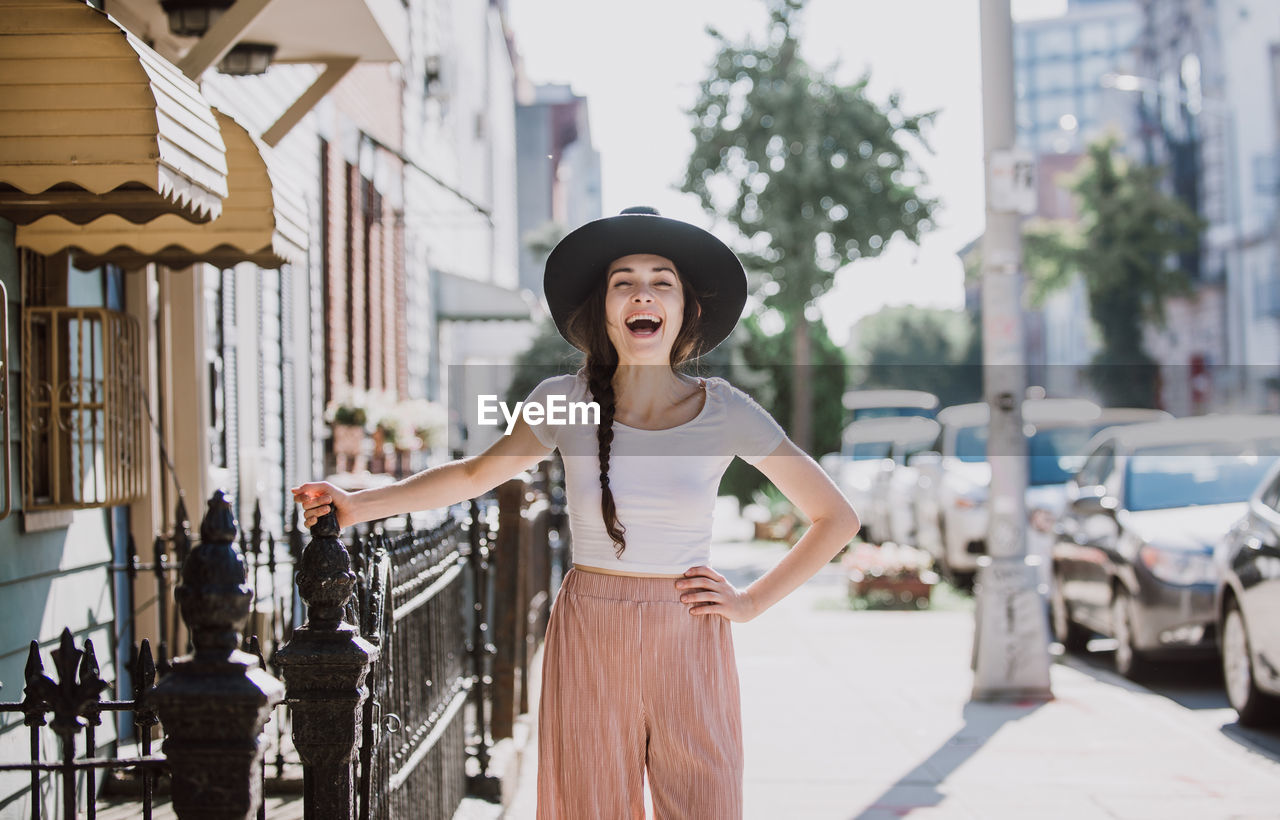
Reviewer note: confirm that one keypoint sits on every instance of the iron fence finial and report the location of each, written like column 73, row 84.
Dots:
column 214, row 703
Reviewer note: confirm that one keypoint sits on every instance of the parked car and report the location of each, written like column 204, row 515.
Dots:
column 864, row 447
column 955, row 476
column 1056, row 450
column 1133, row 557
column 891, row 506
column 878, row 404
column 1248, row 607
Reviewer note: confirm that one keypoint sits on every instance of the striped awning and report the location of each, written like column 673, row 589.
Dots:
column 262, row 221
column 93, row 122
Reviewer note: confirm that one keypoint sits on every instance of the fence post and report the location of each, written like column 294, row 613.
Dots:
column 481, row 647
column 214, row 703
column 508, row 607
column 324, row 667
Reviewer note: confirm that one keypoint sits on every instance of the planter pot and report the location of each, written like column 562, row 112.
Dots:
column 347, row 439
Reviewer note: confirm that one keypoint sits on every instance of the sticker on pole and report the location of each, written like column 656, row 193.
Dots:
column 1012, row 187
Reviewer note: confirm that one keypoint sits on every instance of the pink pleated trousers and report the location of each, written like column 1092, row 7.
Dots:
column 632, row 681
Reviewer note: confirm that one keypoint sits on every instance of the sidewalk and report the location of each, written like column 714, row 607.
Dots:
column 866, row 714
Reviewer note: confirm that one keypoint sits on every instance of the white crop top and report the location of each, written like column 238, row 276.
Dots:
column 664, row 482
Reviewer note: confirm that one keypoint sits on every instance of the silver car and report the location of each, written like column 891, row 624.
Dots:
column 856, row 468
column 955, row 477
column 1133, row 558
column 893, row 488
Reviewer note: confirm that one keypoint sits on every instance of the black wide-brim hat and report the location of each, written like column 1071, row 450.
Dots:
column 579, row 262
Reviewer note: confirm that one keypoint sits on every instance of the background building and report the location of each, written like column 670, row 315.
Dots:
column 559, row 172
column 1206, row 96
column 1063, row 103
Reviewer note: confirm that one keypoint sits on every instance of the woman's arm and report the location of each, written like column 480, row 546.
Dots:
column 439, row 486
column 834, row 523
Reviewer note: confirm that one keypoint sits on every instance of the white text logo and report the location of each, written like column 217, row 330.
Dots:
column 557, row 411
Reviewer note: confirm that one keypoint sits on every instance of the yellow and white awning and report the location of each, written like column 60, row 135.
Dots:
column 262, row 222
column 94, row 122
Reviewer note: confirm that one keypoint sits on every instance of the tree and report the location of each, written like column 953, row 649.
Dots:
column 1126, row 247
column 921, row 349
column 809, row 171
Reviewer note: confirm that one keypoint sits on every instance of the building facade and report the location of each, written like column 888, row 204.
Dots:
column 1062, row 65
column 181, row 314
column 1207, row 101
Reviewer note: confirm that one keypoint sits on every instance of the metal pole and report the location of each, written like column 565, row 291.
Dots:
column 1011, row 658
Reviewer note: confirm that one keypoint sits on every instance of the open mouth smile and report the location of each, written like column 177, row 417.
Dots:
column 643, row 325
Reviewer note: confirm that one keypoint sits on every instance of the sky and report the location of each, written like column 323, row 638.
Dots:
column 639, row 65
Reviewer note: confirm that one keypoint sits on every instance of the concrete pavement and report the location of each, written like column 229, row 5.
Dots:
column 866, row 714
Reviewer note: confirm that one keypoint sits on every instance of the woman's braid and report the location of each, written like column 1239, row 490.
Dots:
column 600, row 382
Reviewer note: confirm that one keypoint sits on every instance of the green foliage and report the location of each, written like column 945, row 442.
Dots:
column 1125, row 248
column 818, row 174
column 921, row 349
column 811, row 172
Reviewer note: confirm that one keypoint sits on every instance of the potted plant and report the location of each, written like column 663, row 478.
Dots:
column 347, row 415
column 896, row 573
column 426, row 420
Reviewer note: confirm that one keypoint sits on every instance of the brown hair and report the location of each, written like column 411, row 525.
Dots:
column 586, row 328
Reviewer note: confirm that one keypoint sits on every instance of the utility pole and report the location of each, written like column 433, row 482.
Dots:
column 1011, row 639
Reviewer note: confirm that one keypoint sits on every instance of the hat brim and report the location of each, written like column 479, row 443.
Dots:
column 577, row 265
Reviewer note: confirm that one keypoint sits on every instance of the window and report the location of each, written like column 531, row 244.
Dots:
column 1059, row 75
column 83, row 428
column 971, row 443
column 1058, row 42
column 1094, row 36
column 1093, row 69
column 1021, row 45
column 1197, row 474
column 221, row 361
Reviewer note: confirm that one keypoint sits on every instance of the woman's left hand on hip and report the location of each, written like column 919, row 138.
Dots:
column 709, row 593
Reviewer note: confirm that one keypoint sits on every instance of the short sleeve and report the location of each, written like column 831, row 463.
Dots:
column 753, row 432
column 558, row 386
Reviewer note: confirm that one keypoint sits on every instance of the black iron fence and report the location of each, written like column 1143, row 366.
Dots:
column 413, row 589
column 380, row 716
column 150, row 609
column 412, row 662
column 74, row 701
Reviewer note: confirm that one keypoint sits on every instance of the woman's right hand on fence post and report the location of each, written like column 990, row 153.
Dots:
column 319, row 497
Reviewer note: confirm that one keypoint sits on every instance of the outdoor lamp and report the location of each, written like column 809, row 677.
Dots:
column 247, row 58
column 192, row 18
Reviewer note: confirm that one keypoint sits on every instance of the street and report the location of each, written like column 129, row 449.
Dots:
column 1197, row 688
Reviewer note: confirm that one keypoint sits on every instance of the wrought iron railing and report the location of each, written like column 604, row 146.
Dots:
column 412, row 599
column 391, row 681
column 212, row 703
column 74, row 700
column 379, row 717
column 269, row 563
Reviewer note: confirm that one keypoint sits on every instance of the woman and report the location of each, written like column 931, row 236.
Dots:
column 638, row 668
